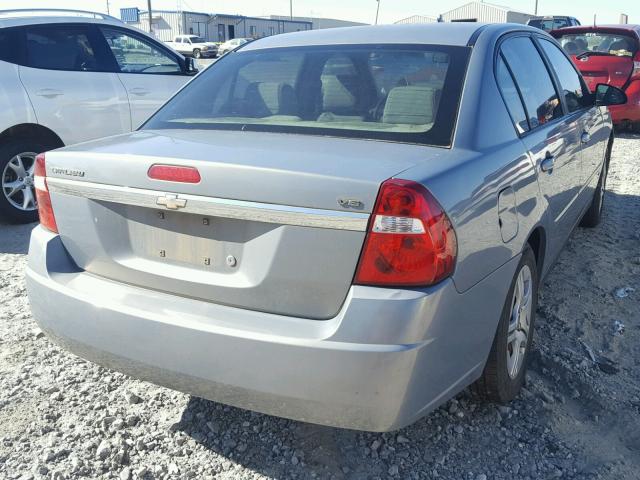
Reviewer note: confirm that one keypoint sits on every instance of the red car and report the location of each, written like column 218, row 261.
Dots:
column 608, row 54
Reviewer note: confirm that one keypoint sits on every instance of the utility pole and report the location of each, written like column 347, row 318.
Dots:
column 535, row 12
column 108, row 12
column 149, row 9
column 291, row 9
column 377, row 11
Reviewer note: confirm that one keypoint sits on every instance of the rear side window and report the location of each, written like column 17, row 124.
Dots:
column 511, row 96
column 541, row 100
column 60, row 47
column 405, row 93
column 572, row 88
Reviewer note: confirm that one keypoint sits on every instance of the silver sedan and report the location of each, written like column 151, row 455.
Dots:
column 345, row 227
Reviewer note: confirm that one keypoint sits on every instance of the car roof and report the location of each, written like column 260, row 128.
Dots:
column 598, row 28
column 454, row 34
column 16, row 18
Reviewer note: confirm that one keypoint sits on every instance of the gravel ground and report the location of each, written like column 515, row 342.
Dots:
column 579, row 416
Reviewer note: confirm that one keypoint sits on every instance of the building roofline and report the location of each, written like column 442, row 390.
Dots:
column 499, row 7
column 310, row 19
column 228, row 15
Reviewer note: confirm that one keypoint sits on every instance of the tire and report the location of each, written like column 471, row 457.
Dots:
column 593, row 214
column 197, row 53
column 14, row 153
column 504, row 373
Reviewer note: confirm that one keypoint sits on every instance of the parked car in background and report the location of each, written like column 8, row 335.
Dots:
column 608, row 54
column 552, row 22
column 67, row 77
column 194, row 46
column 343, row 226
column 230, row 45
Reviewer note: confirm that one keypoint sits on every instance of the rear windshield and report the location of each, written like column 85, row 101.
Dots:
column 600, row 43
column 398, row 93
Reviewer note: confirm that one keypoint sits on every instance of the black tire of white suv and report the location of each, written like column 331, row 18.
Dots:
column 17, row 157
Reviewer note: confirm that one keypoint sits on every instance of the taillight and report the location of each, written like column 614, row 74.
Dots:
column 174, row 173
column 635, row 75
column 45, row 210
column 410, row 241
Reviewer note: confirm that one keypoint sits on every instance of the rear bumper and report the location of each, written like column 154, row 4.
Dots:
column 389, row 356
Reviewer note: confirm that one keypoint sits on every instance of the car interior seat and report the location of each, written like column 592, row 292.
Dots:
column 412, row 105
column 264, row 99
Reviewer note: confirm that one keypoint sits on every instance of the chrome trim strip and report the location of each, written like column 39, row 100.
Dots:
column 215, row 207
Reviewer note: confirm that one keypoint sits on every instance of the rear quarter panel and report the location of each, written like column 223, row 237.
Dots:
column 487, row 158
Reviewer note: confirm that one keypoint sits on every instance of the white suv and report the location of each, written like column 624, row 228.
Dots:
column 67, row 77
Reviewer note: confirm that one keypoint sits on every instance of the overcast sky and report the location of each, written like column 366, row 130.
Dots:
column 608, row 11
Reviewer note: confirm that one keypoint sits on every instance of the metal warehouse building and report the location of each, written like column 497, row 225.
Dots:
column 485, row 12
column 417, row 19
column 166, row 24
column 319, row 23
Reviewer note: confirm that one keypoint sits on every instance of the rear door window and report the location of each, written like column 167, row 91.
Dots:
column 572, row 87
column 530, row 73
column 511, row 96
column 61, row 47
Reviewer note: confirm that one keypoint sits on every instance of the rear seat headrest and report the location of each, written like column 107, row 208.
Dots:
column 271, row 98
column 336, row 97
column 412, row 105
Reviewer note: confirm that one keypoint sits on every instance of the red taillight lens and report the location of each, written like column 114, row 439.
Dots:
column 635, row 75
column 410, row 242
column 174, row 173
column 45, row 210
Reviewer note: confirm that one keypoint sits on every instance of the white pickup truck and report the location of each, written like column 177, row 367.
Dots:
column 193, row 45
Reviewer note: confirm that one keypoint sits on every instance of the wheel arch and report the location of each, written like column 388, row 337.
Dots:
column 537, row 240
column 31, row 130
column 607, row 152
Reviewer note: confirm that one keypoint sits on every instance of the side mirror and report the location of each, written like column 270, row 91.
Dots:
column 609, row 95
column 191, row 66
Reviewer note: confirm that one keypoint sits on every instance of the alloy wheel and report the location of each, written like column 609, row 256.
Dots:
column 17, row 182
column 519, row 321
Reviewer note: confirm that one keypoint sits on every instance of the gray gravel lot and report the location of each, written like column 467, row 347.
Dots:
column 579, row 416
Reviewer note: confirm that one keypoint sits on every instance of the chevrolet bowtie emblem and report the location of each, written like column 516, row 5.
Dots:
column 171, row 202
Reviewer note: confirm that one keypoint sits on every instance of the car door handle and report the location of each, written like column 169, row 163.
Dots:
column 547, row 164
column 49, row 93
column 139, row 91
column 585, row 137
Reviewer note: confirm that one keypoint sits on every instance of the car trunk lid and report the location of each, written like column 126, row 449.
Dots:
column 276, row 223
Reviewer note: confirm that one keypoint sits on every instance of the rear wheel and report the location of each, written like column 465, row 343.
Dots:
column 17, row 192
column 196, row 53
column 504, row 373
